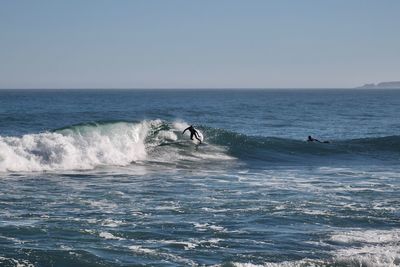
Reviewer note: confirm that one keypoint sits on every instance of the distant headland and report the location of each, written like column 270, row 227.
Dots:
column 382, row 85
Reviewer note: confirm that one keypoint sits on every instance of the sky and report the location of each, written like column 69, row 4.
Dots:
column 198, row 44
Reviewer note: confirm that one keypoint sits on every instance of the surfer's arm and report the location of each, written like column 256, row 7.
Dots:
column 185, row 130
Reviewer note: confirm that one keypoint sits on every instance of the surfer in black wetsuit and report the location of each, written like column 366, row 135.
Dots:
column 193, row 132
column 310, row 139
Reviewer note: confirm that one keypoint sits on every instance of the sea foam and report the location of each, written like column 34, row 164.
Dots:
column 87, row 146
column 79, row 147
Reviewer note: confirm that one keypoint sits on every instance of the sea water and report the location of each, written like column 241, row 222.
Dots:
column 106, row 178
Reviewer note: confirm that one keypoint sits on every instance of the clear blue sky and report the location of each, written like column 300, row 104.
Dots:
column 198, row 44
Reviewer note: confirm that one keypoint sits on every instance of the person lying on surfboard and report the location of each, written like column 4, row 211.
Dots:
column 310, row 139
column 193, row 132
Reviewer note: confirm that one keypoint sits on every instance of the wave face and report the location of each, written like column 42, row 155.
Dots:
column 281, row 150
column 87, row 146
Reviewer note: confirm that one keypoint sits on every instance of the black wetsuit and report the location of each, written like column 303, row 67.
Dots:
column 193, row 132
column 310, row 139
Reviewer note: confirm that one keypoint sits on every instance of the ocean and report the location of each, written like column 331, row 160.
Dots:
column 106, row 178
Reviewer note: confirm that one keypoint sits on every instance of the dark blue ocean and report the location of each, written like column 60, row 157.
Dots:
column 106, row 178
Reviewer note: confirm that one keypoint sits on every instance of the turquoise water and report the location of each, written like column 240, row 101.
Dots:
column 105, row 178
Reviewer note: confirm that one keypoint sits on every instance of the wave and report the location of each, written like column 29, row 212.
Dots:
column 121, row 143
column 90, row 145
column 77, row 147
column 273, row 149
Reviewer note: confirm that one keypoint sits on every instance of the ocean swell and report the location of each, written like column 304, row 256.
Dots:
column 282, row 150
column 86, row 146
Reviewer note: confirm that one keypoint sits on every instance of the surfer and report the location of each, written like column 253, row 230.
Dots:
column 193, row 132
column 310, row 139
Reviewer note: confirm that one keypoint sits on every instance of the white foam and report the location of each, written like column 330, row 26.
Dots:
column 162, row 255
column 141, row 250
column 89, row 231
column 204, row 227
column 167, row 135
column 367, row 236
column 112, row 223
column 192, row 243
column 368, row 247
column 84, row 147
column 107, row 235
column 300, row 263
column 180, row 125
column 370, row 256
column 15, row 262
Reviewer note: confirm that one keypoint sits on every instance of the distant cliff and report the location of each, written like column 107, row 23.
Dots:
column 383, row 85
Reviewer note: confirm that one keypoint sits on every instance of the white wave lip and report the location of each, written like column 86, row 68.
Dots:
column 83, row 147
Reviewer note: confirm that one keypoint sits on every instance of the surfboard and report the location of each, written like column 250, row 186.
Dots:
column 179, row 143
column 201, row 144
column 200, row 137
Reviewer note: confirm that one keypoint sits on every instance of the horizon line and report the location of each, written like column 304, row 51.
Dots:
column 190, row 88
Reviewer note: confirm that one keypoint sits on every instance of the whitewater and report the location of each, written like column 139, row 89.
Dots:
column 106, row 178
column 87, row 146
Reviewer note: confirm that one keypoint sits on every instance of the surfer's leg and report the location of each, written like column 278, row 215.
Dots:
column 191, row 136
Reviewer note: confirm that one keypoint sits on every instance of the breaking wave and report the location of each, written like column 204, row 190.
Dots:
column 86, row 146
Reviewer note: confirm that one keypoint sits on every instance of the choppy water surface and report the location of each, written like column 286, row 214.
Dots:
column 105, row 178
